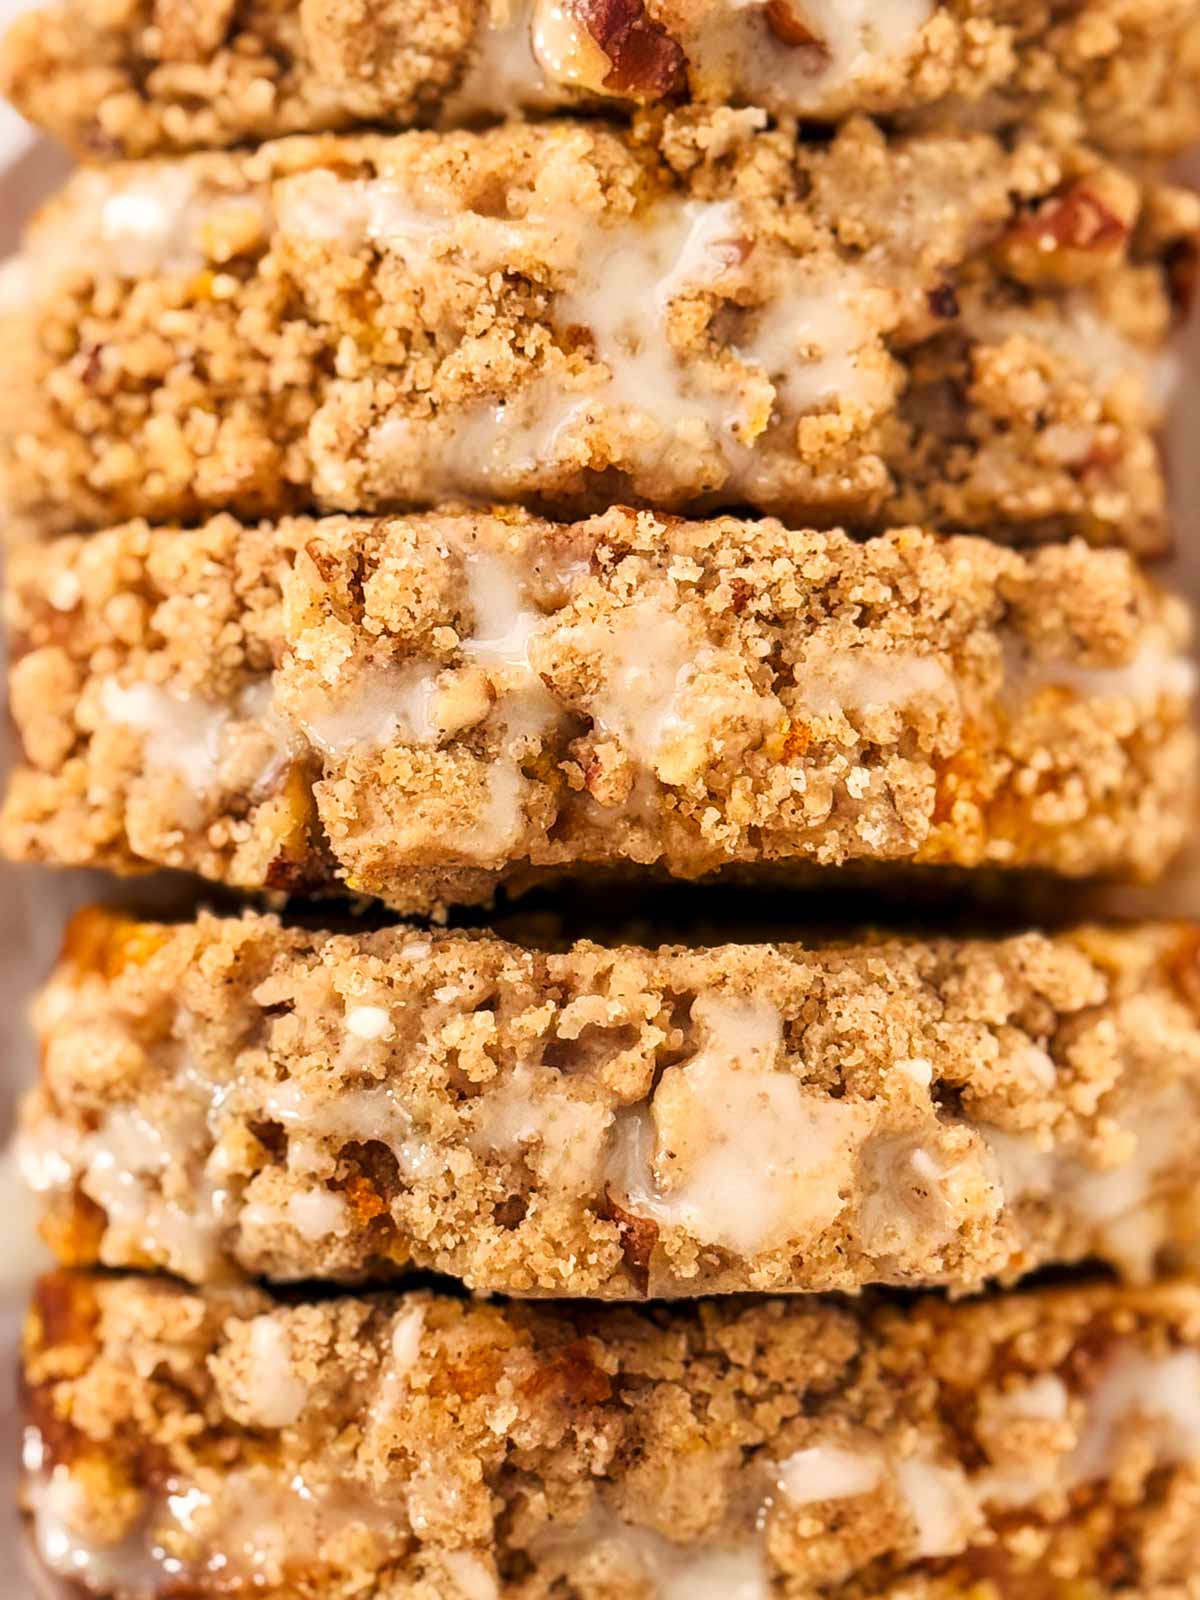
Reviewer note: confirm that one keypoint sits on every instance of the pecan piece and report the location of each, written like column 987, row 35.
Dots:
column 644, row 61
column 790, row 30
column 1073, row 236
column 638, row 1236
column 323, row 558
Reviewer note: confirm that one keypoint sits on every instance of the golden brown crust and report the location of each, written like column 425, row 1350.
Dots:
column 418, row 1446
column 694, row 313
column 619, row 1122
column 148, row 75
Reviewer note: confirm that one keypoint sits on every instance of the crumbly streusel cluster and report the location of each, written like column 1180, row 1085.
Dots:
column 425, row 1446
column 456, row 448
column 960, row 329
column 425, row 708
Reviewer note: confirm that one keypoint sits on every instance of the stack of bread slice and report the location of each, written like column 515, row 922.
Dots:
column 469, row 473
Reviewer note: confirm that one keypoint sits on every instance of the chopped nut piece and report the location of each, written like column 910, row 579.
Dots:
column 638, row 1237
column 645, row 61
column 790, row 29
column 1073, row 237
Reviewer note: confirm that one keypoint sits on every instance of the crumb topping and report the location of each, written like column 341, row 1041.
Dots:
column 423, row 708
column 518, row 1452
column 614, row 1122
column 142, row 77
column 691, row 313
